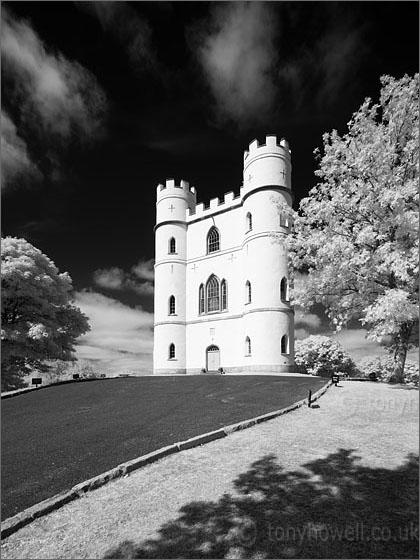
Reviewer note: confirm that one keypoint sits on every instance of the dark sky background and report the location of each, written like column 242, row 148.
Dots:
column 102, row 101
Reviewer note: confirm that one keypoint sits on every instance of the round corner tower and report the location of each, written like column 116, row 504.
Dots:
column 172, row 206
column 268, row 314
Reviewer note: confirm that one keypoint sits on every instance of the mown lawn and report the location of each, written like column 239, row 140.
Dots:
column 61, row 435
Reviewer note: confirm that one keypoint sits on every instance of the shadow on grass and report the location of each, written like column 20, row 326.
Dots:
column 335, row 509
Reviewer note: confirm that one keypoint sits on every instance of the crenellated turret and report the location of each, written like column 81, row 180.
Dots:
column 267, row 186
column 267, row 164
column 173, row 202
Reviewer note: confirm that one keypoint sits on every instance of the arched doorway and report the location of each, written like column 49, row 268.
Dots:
column 212, row 358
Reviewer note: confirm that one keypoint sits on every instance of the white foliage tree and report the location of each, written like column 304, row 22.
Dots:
column 39, row 321
column 356, row 234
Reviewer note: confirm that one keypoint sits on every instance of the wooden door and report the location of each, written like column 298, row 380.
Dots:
column 213, row 358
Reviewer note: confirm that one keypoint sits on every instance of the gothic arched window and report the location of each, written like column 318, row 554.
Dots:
column 284, row 344
column 249, row 221
column 201, row 306
column 213, row 240
column 172, row 245
column 213, row 294
column 284, row 221
column 172, row 305
column 171, row 351
column 284, row 296
column 247, row 346
column 248, row 293
column 223, row 287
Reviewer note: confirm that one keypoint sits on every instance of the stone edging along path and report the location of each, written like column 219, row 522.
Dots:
column 13, row 524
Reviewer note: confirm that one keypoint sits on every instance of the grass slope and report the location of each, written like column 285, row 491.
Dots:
column 62, row 435
column 339, row 480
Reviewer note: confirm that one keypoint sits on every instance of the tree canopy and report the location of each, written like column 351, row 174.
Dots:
column 39, row 320
column 356, row 234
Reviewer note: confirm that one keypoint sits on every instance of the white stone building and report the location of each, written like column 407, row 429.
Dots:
column 221, row 276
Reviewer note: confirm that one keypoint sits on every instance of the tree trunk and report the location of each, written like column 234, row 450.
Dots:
column 400, row 354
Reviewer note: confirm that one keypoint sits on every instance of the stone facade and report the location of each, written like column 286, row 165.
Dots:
column 221, row 273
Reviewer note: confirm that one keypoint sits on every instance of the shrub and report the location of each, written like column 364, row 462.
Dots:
column 370, row 364
column 60, row 370
column 411, row 373
column 383, row 367
column 321, row 355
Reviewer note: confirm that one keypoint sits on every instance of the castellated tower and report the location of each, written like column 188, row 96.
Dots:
column 172, row 207
column 221, row 273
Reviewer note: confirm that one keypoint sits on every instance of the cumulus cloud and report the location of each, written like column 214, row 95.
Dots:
column 55, row 96
column 110, row 278
column 122, row 22
column 237, row 53
column 145, row 269
column 121, row 338
column 306, row 319
column 142, row 289
column 307, row 323
column 357, row 345
column 300, row 334
column 16, row 162
column 138, row 280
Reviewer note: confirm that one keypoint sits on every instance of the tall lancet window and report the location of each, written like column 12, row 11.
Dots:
column 284, row 292
column 172, row 245
column 247, row 346
column 213, row 294
column 201, row 307
column 213, row 240
column 172, row 305
column 223, row 288
column 284, row 221
column 249, row 221
column 172, row 351
column 248, row 292
column 284, row 344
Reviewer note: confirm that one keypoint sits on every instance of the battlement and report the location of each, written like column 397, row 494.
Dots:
column 271, row 145
column 171, row 186
column 202, row 210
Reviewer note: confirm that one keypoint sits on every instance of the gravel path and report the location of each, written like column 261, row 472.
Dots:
column 336, row 481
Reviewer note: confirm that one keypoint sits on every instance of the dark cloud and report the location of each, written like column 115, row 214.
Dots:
column 323, row 63
column 132, row 32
